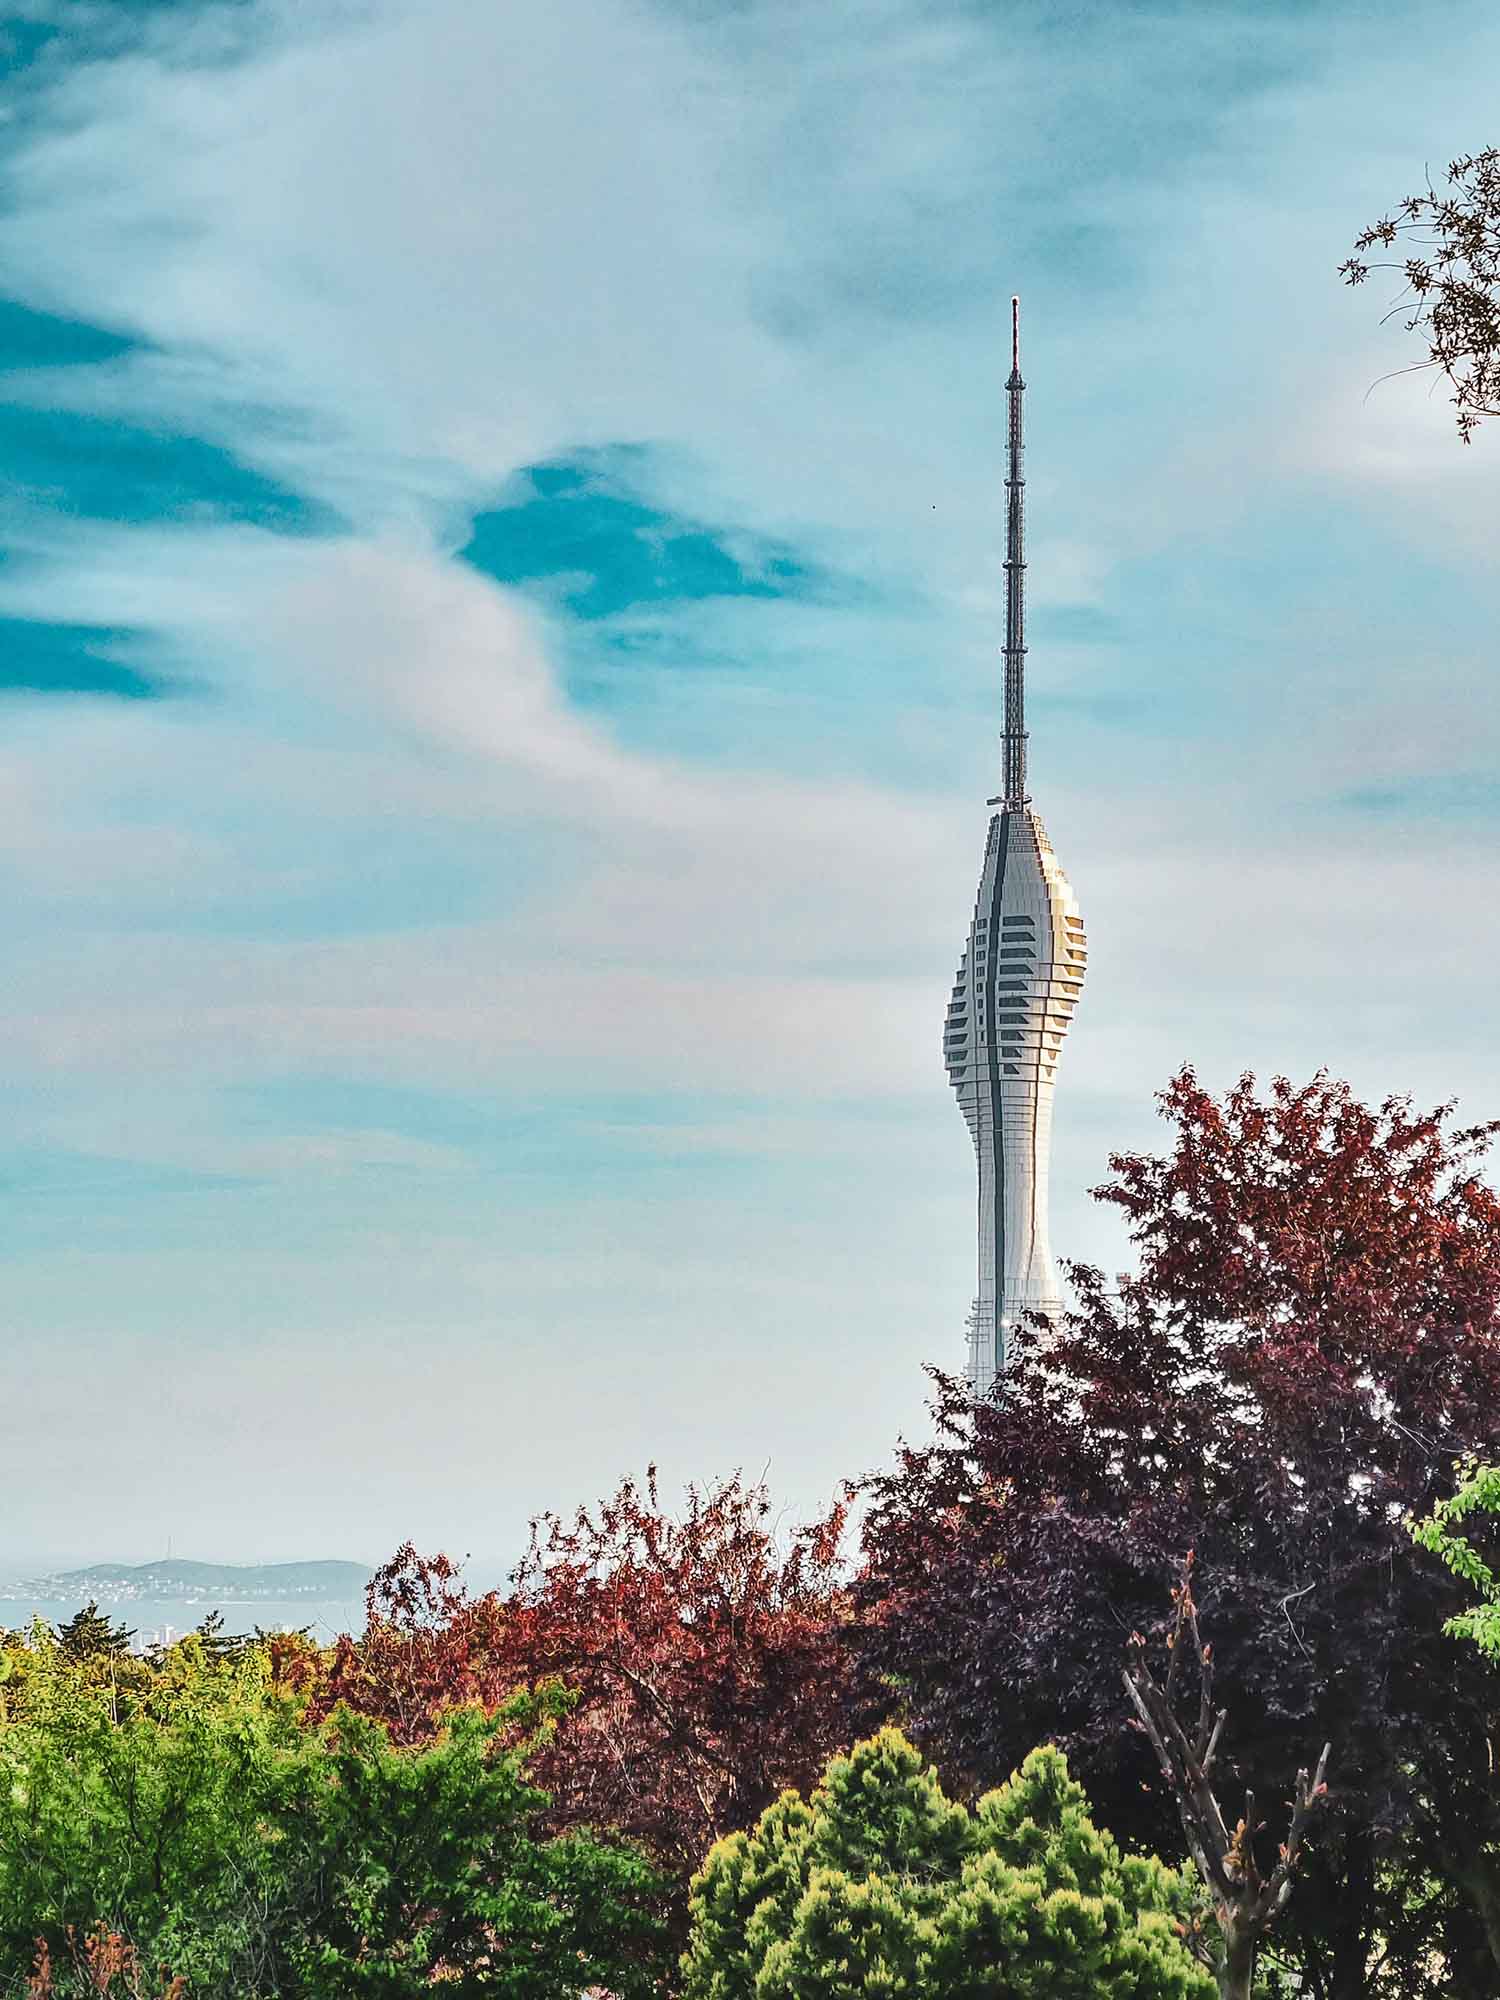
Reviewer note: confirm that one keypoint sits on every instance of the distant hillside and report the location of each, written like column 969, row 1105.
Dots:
column 203, row 1583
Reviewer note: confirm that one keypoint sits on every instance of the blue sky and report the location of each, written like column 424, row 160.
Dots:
column 499, row 589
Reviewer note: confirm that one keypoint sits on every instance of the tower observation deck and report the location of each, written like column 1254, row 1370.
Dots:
column 1018, row 984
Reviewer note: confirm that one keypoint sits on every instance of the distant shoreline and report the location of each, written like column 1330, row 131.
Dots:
column 211, row 1585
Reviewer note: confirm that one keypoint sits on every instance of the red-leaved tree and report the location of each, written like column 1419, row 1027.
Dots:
column 710, row 1655
column 428, row 1643
column 1311, row 1337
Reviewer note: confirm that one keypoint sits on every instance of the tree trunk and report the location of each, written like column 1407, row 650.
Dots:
column 1351, row 1966
column 1480, row 1881
column 1349, row 1941
column 1237, row 1967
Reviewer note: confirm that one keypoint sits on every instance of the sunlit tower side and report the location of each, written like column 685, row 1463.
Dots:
column 1018, row 984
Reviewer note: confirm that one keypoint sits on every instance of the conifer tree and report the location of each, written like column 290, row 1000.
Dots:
column 217, row 1643
column 89, row 1634
column 882, row 1886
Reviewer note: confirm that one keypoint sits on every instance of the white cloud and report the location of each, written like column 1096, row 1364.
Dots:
column 705, row 926
column 375, row 222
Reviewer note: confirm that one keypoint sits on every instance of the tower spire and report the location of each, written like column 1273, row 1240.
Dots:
column 1013, row 791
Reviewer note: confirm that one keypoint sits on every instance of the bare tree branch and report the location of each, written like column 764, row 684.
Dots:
column 1245, row 1902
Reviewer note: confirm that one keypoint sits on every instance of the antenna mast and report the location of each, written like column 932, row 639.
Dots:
column 1013, row 792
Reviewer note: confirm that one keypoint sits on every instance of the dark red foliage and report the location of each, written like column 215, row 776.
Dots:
column 711, row 1660
column 297, row 1663
column 426, row 1645
column 1309, row 1341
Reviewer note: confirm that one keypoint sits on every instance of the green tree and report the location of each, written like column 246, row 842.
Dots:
column 138, row 1805
column 880, row 1886
column 1477, row 1492
column 427, row 1867
column 195, row 1814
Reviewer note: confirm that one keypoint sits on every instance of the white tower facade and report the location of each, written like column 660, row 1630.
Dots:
column 1018, row 984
